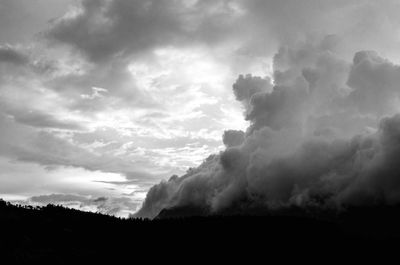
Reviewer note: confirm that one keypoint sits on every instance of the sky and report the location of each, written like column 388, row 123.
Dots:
column 102, row 99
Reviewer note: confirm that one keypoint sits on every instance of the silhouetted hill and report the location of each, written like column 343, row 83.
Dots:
column 57, row 235
column 182, row 212
column 380, row 222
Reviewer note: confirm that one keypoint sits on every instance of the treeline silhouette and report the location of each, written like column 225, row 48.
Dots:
column 58, row 235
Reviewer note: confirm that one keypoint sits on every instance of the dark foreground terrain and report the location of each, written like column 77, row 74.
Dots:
column 57, row 235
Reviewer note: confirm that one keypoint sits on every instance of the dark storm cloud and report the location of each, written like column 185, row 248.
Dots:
column 297, row 72
column 119, row 28
column 233, row 138
column 246, row 86
column 102, row 29
column 376, row 83
column 309, row 142
column 278, row 108
column 9, row 54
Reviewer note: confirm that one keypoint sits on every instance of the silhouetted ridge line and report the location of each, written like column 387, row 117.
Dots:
column 58, row 235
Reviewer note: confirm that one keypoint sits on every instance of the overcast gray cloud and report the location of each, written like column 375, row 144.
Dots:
column 102, row 29
column 10, row 55
column 21, row 20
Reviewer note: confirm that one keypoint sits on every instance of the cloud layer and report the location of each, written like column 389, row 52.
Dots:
column 121, row 206
column 323, row 133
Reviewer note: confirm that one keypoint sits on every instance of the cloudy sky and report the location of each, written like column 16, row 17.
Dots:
column 102, row 99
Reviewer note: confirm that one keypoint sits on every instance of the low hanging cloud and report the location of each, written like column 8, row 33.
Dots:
column 323, row 132
column 118, row 206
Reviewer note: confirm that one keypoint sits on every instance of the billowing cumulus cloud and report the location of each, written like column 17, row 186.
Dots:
column 376, row 83
column 246, row 86
column 324, row 132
